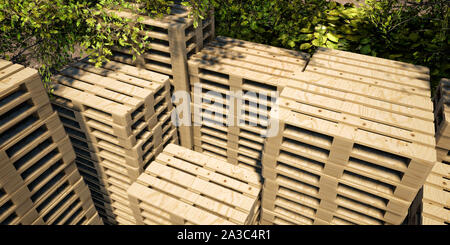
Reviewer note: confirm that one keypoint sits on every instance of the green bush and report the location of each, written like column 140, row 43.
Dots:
column 414, row 32
column 47, row 31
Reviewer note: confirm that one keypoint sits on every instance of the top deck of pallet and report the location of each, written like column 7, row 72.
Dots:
column 442, row 94
column 436, row 197
column 220, row 188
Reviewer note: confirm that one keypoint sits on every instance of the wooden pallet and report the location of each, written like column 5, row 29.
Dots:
column 408, row 144
column 18, row 84
column 155, row 82
column 250, row 56
column 227, row 66
column 70, row 207
column 442, row 114
column 240, row 144
column 113, row 155
column 176, row 192
column 331, row 142
column 115, row 210
column 443, row 155
column 441, row 95
column 415, row 210
column 21, row 119
column 46, row 137
column 59, row 197
column 333, row 191
column 405, row 102
column 36, row 157
column 288, row 218
column 234, row 156
column 88, row 219
column 117, row 147
column 45, row 174
column 436, row 197
column 243, row 156
column 147, row 139
column 99, row 169
column 10, row 180
column 15, row 205
column 131, row 101
column 173, row 41
column 216, row 114
column 120, row 175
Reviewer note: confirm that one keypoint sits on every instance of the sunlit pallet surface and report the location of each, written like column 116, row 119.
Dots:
column 347, row 155
column 186, row 187
column 39, row 183
column 227, row 123
column 173, row 40
column 118, row 119
column 378, row 72
column 442, row 120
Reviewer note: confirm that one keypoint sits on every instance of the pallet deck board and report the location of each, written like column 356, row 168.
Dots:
column 208, row 183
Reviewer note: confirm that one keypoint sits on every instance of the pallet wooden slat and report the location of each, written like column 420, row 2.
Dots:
column 217, row 188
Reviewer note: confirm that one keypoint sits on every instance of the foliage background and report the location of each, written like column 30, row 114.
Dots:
column 413, row 31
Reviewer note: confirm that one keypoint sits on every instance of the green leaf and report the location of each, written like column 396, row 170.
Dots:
column 321, row 29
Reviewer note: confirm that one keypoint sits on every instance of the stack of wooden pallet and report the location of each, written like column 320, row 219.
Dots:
column 118, row 119
column 436, row 196
column 185, row 187
column 39, row 182
column 173, row 41
column 414, row 216
column 355, row 145
column 234, row 86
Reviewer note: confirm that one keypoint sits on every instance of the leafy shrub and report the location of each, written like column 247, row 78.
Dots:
column 410, row 31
